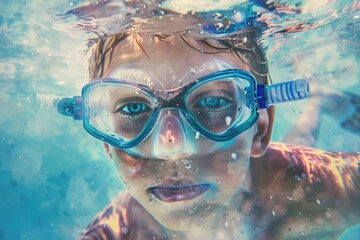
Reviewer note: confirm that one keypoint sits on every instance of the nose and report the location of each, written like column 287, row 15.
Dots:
column 172, row 137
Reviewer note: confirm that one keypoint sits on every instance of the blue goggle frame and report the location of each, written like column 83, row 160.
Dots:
column 263, row 97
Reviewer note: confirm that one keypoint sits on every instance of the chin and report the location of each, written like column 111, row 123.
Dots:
column 188, row 219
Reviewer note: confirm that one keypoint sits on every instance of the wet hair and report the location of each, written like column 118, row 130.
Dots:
column 245, row 45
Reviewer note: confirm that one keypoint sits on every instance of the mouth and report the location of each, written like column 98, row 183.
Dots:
column 176, row 191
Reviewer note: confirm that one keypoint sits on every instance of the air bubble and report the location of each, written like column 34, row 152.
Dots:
column 217, row 16
column 151, row 85
column 234, row 156
column 228, row 120
column 137, row 91
column 180, row 83
column 124, row 230
column 192, row 71
column 245, row 39
column 219, row 26
column 187, row 164
column 238, row 17
column 197, row 135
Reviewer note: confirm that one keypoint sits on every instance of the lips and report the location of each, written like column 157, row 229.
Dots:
column 176, row 191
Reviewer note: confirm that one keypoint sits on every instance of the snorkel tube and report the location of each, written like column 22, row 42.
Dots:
column 282, row 92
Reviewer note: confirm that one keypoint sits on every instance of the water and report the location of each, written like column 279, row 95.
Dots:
column 53, row 176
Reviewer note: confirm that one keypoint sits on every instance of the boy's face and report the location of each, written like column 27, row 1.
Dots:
column 181, row 189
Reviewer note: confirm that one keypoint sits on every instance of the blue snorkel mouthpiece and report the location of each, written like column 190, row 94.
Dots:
column 71, row 107
column 282, row 92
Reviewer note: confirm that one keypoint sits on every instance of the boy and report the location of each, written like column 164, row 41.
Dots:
column 182, row 181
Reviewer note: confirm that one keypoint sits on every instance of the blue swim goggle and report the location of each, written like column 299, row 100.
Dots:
column 219, row 106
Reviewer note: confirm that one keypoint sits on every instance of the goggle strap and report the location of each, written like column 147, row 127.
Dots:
column 282, row 92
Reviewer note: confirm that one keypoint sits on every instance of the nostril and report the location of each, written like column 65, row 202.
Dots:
column 170, row 132
column 170, row 137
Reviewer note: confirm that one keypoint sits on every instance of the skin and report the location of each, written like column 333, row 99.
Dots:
column 266, row 192
column 215, row 167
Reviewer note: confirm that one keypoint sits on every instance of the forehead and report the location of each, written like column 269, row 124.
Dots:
column 167, row 64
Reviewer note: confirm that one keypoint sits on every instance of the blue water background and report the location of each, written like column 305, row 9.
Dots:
column 54, row 177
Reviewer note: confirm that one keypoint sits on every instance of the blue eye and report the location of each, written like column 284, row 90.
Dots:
column 213, row 103
column 134, row 108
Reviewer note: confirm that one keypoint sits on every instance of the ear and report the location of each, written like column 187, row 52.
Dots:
column 262, row 132
column 107, row 150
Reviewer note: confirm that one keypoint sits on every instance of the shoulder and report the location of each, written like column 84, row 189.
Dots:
column 111, row 223
column 313, row 190
column 124, row 218
column 333, row 169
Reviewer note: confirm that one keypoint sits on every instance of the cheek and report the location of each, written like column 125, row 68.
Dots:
column 127, row 166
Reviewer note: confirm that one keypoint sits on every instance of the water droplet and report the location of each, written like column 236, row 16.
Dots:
column 124, row 230
column 180, row 83
column 192, row 71
column 318, row 201
column 228, row 120
column 217, row 16
column 197, row 135
column 218, row 181
column 234, row 156
column 245, row 39
column 71, row 4
column 219, row 26
column 238, row 17
column 151, row 85
column 159, row 179
column 137, row 91
column 187, row 163
column 273, row 213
